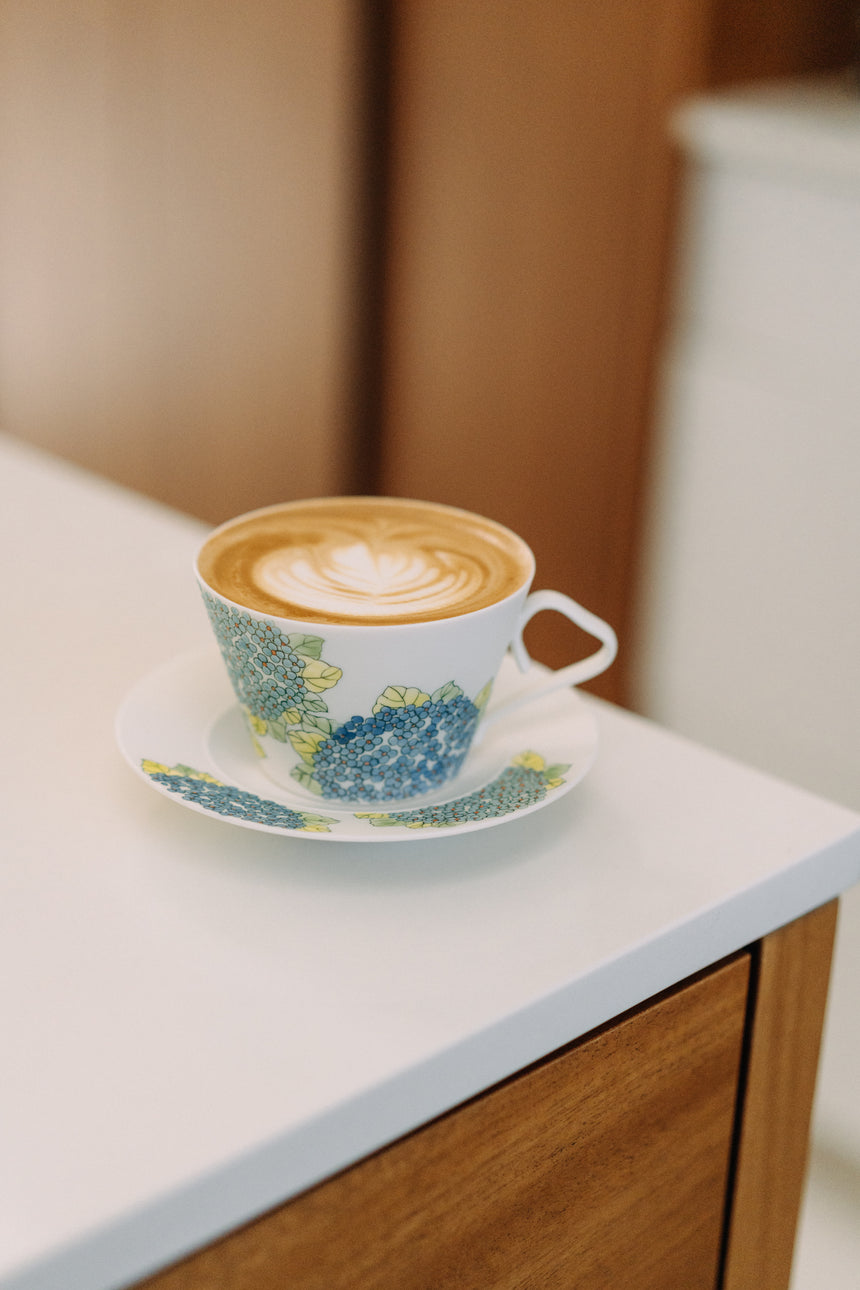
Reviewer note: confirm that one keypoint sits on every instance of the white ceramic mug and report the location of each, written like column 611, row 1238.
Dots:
column 383, row 712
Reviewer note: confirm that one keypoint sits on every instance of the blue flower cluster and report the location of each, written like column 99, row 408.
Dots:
column 230, row 801
column 266, row 673
column 397, row 752
column 516, row 788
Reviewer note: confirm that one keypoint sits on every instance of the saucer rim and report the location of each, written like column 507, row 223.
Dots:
column 346, row 828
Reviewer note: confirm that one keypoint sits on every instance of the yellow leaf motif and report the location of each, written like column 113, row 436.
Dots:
column 319, row 676
column 187, row 772
column 292, row 716
column 155, row 767
column 306, row 742
column 483, row 697
column 257, row 724
column 531, row 760
column 399, row 696
column 199, row 774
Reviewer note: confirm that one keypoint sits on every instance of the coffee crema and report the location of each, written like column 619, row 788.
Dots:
column 364, row 560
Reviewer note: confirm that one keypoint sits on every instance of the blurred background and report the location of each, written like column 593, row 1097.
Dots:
column 590, row 267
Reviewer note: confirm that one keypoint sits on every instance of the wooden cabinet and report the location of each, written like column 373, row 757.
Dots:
column 665, row 1149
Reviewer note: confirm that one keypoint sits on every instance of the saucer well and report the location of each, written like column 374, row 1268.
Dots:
column 182, row 730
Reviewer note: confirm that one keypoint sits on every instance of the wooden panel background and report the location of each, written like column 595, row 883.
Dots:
column 178, row 241
column 605, row 1166
column 532, row 205
column 529, row 195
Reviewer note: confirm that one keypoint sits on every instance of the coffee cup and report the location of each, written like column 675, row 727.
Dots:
column 362, row 636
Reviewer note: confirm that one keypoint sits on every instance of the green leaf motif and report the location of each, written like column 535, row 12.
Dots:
column 324, row 725
column 312, row 703
column 319, row 676
column 483, row 697
column 151, row 767
column 180, row 769
column 305, row 646
column 305, row 776
column 446, row 693
column 556, row 772
column 400, row 696
column 306, row 742
column 279, row 730
column 256, row 724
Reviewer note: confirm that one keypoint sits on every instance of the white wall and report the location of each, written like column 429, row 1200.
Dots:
column 750, row 605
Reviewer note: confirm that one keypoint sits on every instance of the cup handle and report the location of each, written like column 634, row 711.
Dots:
column 573, row 673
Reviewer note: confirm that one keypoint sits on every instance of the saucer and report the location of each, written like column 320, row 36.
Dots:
column 181, row 729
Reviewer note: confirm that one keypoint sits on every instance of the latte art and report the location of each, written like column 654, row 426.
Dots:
column 365, row 560
column 381, row 583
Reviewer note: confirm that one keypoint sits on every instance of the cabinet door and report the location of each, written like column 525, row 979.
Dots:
column 792, row 974
column 605, row 1165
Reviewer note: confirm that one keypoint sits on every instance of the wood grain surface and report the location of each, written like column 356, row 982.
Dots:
column 791, row 994
column 531, row 230
column 531, row 178
column 604, row 1166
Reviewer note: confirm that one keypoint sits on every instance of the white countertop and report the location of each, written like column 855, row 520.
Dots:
column 198, row 1020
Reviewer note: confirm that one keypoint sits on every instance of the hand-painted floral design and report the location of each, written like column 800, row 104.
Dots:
column 225, row 799
column 410, row 744
column 525, row 782
column 278, row 677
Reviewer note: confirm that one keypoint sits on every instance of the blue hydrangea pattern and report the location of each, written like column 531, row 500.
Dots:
column 397, row 751
column 272, row 673
column 522, row 784
column 411, row 743
column 265, row 672
column 236, row 803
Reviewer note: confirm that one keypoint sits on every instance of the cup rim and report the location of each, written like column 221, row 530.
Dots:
column 318, row 624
